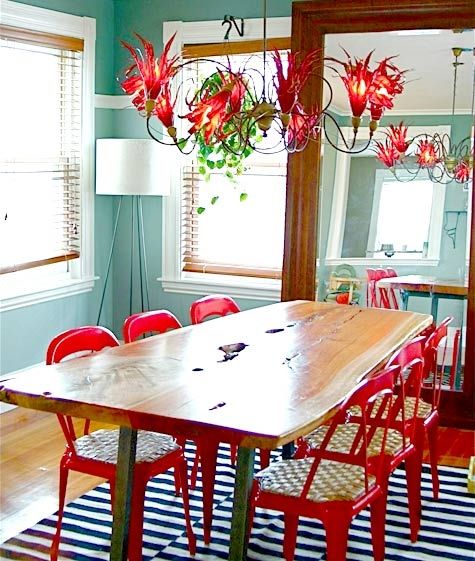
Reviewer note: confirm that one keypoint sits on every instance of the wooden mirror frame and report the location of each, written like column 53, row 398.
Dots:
column 311, row 21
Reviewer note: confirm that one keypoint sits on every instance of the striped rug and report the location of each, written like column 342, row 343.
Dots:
column 447, row 531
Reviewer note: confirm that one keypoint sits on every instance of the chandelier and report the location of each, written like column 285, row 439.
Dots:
column 443, row 160
column 235, row 111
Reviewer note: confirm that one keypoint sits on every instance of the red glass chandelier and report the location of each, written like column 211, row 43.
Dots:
column 236, row 111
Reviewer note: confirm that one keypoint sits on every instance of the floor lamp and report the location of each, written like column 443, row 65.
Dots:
column 131, row 167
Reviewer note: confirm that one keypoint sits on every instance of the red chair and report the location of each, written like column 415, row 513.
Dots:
column 428, row 408
column 334, row 486
column 383, row 293
column 400, row 445
column 371, row 296
column 390, row 272
column 156, row 321
column 96, row 453
column 213, row 305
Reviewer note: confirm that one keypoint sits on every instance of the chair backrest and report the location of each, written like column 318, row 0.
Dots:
column 213, row 305
column 156, row 321
column 372, row 397
column 382, row 293
column 436, row 346
column 71, row 342
column 371, row 299
column 390, row 272
column 410, row 358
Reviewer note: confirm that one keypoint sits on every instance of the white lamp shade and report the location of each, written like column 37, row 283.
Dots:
column 127, row 166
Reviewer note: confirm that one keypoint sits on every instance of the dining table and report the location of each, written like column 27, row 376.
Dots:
column 428, row 287
column 259, row 378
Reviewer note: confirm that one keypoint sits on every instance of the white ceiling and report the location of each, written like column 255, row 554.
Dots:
column 426, row 57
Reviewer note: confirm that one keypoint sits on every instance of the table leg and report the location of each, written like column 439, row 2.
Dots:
column 405, row 299
column 434, row 306
column 123, row 493
column 208, row 450
column 242, row 492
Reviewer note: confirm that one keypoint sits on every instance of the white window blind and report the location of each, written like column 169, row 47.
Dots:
column 40, row 149
column 232, row 237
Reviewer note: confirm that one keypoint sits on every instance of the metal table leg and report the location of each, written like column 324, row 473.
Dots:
column 123, row 493
column 242, row 492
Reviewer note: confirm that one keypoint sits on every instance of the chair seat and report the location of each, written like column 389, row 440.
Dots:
column 334, row 481
column 344, row 436
column 102, row 445
column 424, row 409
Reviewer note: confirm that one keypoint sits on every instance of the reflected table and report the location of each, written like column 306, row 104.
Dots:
column 298, row 361
column 432, row 287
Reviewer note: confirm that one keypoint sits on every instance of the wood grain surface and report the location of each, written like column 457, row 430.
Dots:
column 301, row 359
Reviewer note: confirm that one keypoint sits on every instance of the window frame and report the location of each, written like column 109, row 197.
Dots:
column 81, row 276
column 338, row 210
column 173, row 279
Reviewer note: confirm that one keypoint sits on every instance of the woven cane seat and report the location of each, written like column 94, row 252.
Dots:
column 424, row 409
column 102, row 445
column 344, row 436
column 334, row 481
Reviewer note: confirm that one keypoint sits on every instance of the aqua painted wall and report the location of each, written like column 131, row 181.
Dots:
column 26, row 332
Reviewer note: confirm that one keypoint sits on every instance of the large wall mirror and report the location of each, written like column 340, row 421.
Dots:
column 363, row 216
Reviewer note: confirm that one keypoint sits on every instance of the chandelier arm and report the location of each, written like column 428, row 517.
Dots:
column 349, row 149
column 176, row 143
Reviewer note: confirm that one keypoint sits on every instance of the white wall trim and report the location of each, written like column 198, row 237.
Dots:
column 66, row 288
column 103, row 101
column 381, row 262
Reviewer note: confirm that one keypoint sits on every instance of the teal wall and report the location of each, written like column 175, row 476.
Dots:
column 25, row 332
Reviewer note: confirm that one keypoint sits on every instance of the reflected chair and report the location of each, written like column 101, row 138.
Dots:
column 155, row 321
column 334, row 486
column 400, row 446
column 213, row 305
column 96, row 453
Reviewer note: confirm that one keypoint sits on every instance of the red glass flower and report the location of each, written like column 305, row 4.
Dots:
column 388, row 81
column 211, row 109
column 301, row 128
column 426, row 153
column 288, row 87
column 387, row 153
column 357, row 79
column 462, row 172
column 398, row 137
column 148, row 79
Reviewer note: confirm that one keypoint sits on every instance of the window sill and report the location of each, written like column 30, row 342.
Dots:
column 382, row 261
column 13, row 297
column 237, row 287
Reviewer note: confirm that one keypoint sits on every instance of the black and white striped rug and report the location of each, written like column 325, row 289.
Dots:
column 447, row 531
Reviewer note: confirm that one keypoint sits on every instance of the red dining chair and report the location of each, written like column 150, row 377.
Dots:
column 155, row 321
column 334, row 486
column 400, row 446
column 371, row 295
column 213, row 305
column 96, row 453
column 382, row 292
column 394, row 303
column 428, row 408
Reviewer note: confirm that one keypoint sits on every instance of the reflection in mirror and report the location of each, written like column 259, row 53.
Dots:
column 416, row 227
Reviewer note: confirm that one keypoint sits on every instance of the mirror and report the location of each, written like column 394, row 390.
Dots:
column 312, row 23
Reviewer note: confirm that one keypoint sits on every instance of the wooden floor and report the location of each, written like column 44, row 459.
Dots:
column 31, row 445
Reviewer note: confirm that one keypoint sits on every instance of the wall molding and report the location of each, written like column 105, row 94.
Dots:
column 103, row 101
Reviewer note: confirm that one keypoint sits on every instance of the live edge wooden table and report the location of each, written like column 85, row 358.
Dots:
column 301, row 359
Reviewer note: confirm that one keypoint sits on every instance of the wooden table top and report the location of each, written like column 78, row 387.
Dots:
column 420, row 283
column 301, row 360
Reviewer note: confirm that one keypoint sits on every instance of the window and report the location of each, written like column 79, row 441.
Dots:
column 45, row 143
column 232, row 244
column 397, row 227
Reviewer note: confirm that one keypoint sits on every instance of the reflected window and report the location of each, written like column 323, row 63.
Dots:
column 401, row 217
